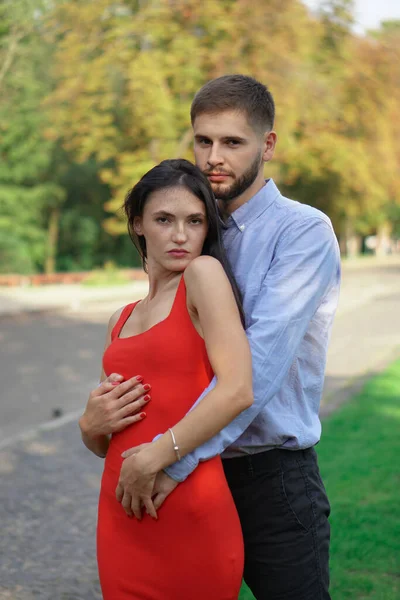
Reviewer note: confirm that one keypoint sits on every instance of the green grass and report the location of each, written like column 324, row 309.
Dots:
column 359, row 458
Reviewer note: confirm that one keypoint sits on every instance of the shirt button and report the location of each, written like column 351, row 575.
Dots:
column 242, row 227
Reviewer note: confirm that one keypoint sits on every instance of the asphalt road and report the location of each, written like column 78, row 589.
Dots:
column 48, row 365
column 50, row 361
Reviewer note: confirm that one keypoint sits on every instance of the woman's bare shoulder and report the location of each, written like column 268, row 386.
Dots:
column 204, row 270
column 206, row 282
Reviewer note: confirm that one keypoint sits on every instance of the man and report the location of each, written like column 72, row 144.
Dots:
column 286, row 261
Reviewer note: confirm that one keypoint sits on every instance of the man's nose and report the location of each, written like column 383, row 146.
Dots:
column 215, row 158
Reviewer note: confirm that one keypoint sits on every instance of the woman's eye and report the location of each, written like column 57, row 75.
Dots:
column 196, row 221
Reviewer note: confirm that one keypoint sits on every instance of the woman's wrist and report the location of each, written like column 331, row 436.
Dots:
column 158, row 455
column 86, row 431
column 85, row 427
column 147, row 461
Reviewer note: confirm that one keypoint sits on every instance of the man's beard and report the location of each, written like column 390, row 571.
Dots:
column 239, row 186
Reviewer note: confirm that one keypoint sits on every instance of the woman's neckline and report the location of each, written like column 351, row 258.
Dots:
column 118, row 337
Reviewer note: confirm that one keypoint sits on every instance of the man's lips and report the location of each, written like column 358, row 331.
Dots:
column 216, row 177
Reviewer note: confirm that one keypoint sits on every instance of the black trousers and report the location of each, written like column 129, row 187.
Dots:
column 284, row 510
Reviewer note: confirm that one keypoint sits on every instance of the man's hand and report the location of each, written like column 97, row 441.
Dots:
column 162, row 484
column 135, row 486
column 114, row 405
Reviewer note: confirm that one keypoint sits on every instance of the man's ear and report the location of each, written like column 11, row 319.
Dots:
column 137, row 225
column 269, row 145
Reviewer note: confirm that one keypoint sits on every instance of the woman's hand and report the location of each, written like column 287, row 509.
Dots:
column 136, row 486
column 163, row 483
column 114, row 405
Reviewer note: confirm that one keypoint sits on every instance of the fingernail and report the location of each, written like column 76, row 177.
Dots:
column 146, row 387
column 115, row 383
column 147, row 398
column 142, row 415
column 139, row 378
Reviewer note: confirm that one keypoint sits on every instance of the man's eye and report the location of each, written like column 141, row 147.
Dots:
column 204, row 141
column 162, row 220
column 233, row 143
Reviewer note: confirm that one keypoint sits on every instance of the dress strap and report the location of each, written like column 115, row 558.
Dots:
column 180, row 298
column 123, row 317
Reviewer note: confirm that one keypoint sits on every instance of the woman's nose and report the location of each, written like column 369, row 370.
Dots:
column 179, row 235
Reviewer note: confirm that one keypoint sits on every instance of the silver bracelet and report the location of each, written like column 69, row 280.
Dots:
column 176, row 447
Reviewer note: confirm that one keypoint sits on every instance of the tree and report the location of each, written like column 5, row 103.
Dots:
column 100, row 91
column 126, row 84
column 29, row 193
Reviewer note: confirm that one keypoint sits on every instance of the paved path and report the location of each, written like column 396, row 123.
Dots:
column 366, row 332
column 49, row 483
column 48, row 499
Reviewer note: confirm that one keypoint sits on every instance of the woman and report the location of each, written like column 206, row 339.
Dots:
column 187, row 329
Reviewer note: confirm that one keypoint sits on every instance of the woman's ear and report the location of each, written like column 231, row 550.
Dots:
column 137, row 225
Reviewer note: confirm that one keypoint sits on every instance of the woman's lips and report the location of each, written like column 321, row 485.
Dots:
column 178, row 253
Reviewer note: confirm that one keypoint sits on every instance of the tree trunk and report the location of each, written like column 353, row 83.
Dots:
column 52, row 240
column 383, row 239
column 350, row 243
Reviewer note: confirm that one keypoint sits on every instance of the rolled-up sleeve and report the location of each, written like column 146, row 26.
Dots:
column 305, row 267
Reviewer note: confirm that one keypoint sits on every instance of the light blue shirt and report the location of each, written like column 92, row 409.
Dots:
column 286, row 260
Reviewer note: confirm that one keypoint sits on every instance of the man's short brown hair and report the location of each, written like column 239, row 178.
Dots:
column 236, row 92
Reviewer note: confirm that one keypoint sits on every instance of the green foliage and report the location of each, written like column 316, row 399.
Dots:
column 393, row 217
column 15, row 254
column 27, row 186
column 21, row 215
column 93, row 94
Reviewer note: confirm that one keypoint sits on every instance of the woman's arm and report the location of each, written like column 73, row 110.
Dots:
column 98, row 444
column 112, row 406
column 210, row 295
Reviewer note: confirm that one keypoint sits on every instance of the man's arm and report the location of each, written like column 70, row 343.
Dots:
column 305, row 268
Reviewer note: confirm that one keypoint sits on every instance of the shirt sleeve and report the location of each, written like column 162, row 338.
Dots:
column 305, row 267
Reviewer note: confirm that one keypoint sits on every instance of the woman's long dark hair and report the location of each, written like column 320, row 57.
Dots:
column 181, row 173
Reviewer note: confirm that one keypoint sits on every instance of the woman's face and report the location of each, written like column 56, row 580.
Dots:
column 174, row 224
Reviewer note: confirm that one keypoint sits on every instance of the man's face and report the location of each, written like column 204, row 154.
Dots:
column 230, row 153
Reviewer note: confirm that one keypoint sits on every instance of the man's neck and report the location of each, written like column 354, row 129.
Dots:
column 228, row 208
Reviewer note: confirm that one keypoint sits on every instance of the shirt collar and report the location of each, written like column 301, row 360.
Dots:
column 251, row 210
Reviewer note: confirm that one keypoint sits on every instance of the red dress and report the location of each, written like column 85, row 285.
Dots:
column 194, row 551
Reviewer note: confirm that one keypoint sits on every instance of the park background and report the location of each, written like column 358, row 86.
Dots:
column 93, row 93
